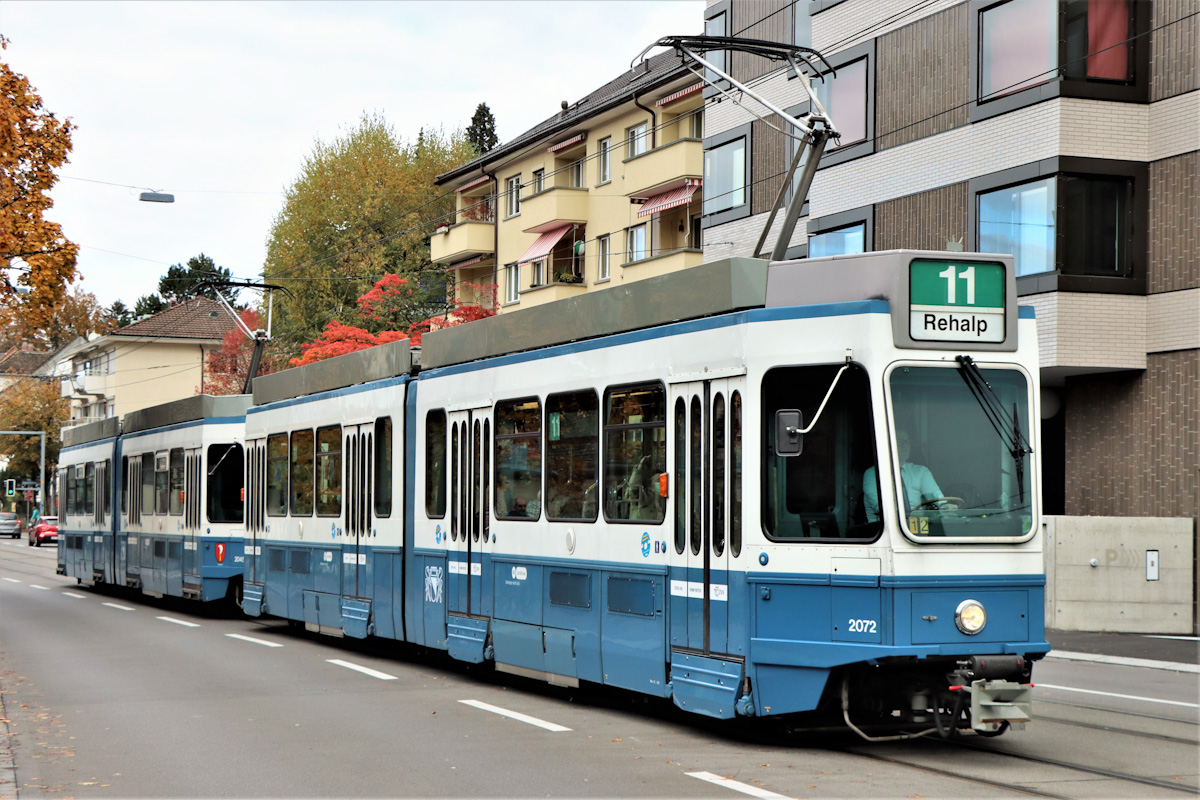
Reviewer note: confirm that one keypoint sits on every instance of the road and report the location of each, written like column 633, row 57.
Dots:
column 105, row 695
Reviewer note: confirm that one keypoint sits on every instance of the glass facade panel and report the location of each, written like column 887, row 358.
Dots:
column 1020, row 220
column 1018, row 46
column 845, row 100
column 837, row 242
column 725, row 176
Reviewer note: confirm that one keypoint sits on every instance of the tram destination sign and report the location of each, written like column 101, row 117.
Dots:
column 956, row 301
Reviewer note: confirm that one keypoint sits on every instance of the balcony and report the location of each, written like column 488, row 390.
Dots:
column 464, row 240
column 93, row 383
column 549, row 292
column 664, row 167
column 553, row 207
column 668, row 262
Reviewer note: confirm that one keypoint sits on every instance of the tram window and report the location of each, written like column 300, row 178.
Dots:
column 301, row 454
column 176, row 491
column 329, row 471
column 124, row 484
column 383, row 467
column 818, row 494
column 735, row 466
column 454, row 486
column 719, row 471
column 696, row 478
column 69, row 493
column 435, row 464
column 162, row 483
column 518, row 459
column 106, row 488
column 680, row 475
column 277, row 474
column 476, row 482
column 225, row 483
column 88, row 498
column 147, row 483
column 572, row 455
column 635, row 452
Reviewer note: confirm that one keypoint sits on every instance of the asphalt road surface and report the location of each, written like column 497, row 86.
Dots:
column 111, row 695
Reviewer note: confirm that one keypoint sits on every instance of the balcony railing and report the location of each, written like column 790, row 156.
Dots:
column 464, row 240
column 664, row 166
column 555, row 206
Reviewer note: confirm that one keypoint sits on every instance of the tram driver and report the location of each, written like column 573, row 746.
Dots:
column 920, row 488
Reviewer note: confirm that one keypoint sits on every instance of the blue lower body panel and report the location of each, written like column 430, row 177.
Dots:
column 467, row 638
column 705, row 685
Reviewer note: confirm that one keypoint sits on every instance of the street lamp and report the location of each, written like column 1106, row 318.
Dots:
column 156, row 197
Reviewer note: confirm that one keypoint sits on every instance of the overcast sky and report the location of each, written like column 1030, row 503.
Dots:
column 218, row 103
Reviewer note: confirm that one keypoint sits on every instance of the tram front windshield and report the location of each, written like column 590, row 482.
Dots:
column 961, row 445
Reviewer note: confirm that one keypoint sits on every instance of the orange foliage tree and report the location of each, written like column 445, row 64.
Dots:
column 33, row 144
column 225, row 370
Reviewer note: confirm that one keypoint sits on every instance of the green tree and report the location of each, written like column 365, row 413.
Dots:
column 482, row 131
column 364, row 205
column 181, row 281
column 148, row 304
column 118, row 315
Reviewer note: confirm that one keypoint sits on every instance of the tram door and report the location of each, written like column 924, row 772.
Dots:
column 470, row 471
column 193, row 555
column 706, row 418
column 358, row 453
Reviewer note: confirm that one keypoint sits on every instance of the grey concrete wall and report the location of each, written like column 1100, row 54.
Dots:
column 1096, row 576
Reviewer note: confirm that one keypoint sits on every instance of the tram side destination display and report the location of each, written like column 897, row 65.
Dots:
column 956, row 301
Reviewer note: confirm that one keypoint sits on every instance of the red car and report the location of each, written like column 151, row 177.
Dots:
column 45, row 531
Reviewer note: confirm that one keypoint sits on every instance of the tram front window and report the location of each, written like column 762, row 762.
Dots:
column 818, row 494
column 965, row 439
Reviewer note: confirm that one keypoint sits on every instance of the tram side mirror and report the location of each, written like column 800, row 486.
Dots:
column 789, row 441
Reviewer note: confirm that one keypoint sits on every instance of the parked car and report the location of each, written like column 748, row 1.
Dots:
column 10, row 524
column 45, row 531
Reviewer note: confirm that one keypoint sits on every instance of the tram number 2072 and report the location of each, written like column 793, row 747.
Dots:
column 863, row 626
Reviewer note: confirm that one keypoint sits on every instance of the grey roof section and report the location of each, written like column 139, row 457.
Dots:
column 91, row 432
column 189, row 409
column 719, row 287
column 375, row 363
column 656, row 71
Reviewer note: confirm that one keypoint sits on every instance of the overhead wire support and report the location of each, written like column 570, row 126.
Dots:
column 813, row 130
column 260, row 337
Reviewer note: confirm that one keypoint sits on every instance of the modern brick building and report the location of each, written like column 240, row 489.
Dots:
column 1065, row 132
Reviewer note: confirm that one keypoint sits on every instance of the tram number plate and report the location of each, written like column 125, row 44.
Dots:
column 959, row 301
column 863, row 626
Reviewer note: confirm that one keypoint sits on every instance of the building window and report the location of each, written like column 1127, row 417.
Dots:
column 845, row 101
column 725, row 176
column 603, row 247
column 539, row 273
column 717, row 25
column 698, row 123
column 577, row 173
column 512, row 191
column 801, row 25
column 635, row 243
column 604, row 162
column 1018, row 44
column 637, row 140
column 1020, row 220
column 539, row 181
column 512, row 283
column 1098, row 40
column 838, row 242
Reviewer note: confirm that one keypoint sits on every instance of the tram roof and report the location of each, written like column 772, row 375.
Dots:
column 718, row 287
column 91, row 432
column 196, row 407
column 375, row 363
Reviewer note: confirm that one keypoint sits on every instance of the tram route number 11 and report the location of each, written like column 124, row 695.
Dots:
column 956, row 301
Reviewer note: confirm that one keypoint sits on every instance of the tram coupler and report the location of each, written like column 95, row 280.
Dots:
column 998, row 704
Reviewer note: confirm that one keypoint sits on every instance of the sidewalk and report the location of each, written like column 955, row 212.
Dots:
column 1161, row 652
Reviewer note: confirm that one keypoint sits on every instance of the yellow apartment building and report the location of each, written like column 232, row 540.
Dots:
column 605, row 192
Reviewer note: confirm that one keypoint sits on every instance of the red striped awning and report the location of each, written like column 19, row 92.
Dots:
column 469, row 262
column 669, row 199
column 473, row 184
column 544, row 244
column 671, row 98
column 579, row 137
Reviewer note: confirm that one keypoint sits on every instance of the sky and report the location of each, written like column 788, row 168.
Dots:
column 218, row 103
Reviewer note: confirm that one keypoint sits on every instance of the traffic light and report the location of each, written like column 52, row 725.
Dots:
column 10, row 487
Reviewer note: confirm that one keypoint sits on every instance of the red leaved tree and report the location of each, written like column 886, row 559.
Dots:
column 225, row 370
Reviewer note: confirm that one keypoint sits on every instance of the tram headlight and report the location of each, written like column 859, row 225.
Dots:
column 970, row 617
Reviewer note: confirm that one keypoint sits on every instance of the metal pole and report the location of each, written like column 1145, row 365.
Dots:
column 41, row 505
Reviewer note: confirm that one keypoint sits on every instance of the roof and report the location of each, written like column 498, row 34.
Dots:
column 197, row 318
column 655, row 71
column 24, row 362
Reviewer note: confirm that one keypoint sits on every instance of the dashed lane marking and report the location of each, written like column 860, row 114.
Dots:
column 263, row 642
column 184, row 623
column 35, row 586
column 504, row 712
column 12, row 580
column 383, row 676
column 76, row 596
column 737, row 786
column 118, row 607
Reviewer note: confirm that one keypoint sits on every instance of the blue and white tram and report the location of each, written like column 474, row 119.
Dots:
column 85, row 491
column 179, row 530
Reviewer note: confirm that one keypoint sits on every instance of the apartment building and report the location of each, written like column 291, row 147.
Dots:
column 1064, row 132
column 152, row 361
column 604, row 192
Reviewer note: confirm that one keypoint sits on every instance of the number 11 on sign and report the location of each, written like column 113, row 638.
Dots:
column 967, row 274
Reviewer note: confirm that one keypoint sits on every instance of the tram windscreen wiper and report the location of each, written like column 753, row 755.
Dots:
column 993, row 408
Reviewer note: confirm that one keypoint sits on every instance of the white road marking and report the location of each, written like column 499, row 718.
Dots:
column 119, row 608
column 737, row 786
column 1172, row 666
column 504, row 712
column 1180, row 638
column 383, row 676
column 35, row 586
column 76, row 596
column 1121, row 696
column 263, row 642
column 12, row 580
column 179, row 622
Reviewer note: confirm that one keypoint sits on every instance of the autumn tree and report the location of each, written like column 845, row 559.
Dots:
column 482, row 131
column 225, row 369
column 34, row 143
column 363, row 206
column 32, row 404
column 184, row 281
column 79, row 314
